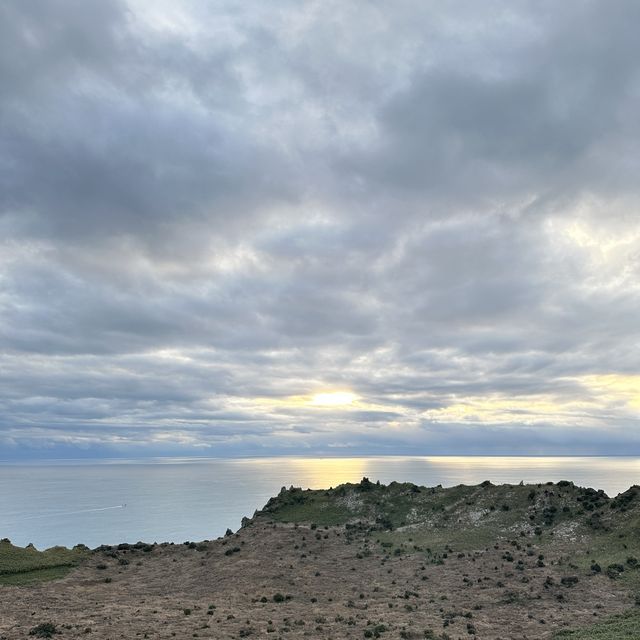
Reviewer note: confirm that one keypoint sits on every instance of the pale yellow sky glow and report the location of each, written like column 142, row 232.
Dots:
column 333, row 399
column 323, row 399
column 615, row 389
column 581, row 400
column 501, row 409
column 601, row 395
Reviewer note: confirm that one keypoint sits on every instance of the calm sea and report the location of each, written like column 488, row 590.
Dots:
column 171, row 499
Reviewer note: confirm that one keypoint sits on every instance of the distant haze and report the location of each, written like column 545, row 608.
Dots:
column 321, row 228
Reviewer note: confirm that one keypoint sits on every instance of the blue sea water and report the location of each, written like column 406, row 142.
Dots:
column 174, row 500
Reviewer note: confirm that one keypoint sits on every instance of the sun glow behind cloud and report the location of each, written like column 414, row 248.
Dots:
column 333, row 399
column 339, row 400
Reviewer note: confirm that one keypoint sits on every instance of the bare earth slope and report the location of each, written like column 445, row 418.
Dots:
column 357, row 561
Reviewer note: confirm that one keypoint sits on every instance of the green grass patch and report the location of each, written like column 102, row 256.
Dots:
column 35, row 576
column 618, row 547
column 316, row 508
column 626, row 625
column 25, row 565
column 438, row 540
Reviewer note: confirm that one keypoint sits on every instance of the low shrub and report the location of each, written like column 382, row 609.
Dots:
column 44, row 630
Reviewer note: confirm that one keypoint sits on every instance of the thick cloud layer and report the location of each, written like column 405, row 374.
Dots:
column 212, row 212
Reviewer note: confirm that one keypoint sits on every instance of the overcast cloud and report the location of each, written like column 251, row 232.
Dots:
column 211, row 212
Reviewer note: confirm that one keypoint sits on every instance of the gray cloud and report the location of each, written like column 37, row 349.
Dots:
column 211, row 212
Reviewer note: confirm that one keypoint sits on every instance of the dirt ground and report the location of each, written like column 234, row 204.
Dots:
column 280, row 581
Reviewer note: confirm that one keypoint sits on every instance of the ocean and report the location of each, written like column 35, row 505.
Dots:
column 179, row 499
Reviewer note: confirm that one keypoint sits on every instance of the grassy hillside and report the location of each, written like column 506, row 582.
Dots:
column 20, row 565
column 601, row 534
column 538, row 509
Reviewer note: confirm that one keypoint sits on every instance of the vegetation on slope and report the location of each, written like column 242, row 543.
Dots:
column 601, row 534
column 620, row 627
column 597, row 534
column 537, row 509
column 20, row 565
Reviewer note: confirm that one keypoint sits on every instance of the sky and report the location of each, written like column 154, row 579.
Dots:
column 246, row 228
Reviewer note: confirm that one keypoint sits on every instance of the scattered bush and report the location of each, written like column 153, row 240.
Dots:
column 569, row 581
column 44, row 630
column 230, row 552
